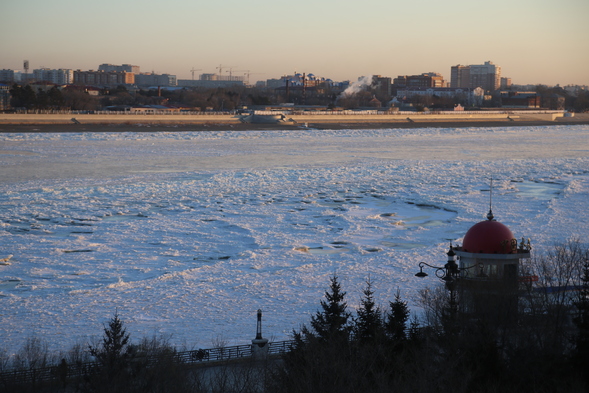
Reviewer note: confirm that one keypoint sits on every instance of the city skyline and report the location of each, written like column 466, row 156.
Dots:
column 539, row 42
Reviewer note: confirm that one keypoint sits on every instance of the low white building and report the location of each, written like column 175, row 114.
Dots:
column 152, row 79
column 470, row 96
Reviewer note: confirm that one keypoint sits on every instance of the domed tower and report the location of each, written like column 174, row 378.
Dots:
column 491, row 254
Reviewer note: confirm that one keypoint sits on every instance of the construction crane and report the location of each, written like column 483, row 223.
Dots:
column 247, row 73
column 194, row 69
column 221, row 66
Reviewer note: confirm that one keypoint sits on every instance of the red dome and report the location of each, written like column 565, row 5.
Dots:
column 488, row 237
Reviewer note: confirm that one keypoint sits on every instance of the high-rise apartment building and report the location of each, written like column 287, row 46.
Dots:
column 58, row 77
column 4, row 97
column 119, row 68
column 505, row 83
column 486, row 76
column 7, row 76
column 460, row 76
column 102, row 78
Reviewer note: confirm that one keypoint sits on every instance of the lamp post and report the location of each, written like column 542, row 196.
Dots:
column 450, row 274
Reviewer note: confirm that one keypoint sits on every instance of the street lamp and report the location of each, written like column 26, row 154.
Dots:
column 450, row 274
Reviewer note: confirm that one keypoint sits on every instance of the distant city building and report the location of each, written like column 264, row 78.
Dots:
column 119, row 68
column 520, row 99
column 208, row 84
column 211, row 81
column 575, row 89
column 4, row 97
column 298, row 79
column 155, row 80
column 7, row 76
column 306, row 89
column 466, row 95
column 428, row 79
column 505, row 83
column 382, row 87
column 553, row 101
column 19, row 76
column 487, row 76
column 216, row 77
column 58, row 77
column 524, row 87
column 103, row 78
column 275, row 83
column 460, row 76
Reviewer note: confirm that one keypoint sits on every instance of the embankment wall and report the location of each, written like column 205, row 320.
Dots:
column 298, row 117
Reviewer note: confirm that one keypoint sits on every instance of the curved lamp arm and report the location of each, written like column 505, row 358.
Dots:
column 440, row 270
column 446, row 273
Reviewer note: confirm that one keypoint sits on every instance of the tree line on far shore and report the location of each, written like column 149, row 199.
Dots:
column 227, row 99
column 371, row 350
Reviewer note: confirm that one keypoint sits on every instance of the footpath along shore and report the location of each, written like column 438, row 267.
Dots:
column 94, row 122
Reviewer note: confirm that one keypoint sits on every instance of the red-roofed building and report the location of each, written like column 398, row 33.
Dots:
column 492, row 256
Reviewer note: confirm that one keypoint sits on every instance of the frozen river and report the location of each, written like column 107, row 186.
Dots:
column 187, row 234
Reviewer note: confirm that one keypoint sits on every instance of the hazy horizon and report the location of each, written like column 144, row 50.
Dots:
column 533, row 42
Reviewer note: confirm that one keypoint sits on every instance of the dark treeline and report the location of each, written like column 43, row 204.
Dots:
column 545, row 348
column 227, row 99
column 77, row 98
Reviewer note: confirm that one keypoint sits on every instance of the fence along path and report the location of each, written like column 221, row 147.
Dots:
column 198, row 356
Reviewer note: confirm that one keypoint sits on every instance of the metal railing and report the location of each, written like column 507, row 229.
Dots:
column 198, row 356
column 286, row 112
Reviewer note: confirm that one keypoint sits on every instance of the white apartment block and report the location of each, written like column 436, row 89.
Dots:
column 59, row 77
column 155, row 80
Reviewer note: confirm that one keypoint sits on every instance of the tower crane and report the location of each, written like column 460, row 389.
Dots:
column 221, row 66
column 194, row 69
column 247, row 73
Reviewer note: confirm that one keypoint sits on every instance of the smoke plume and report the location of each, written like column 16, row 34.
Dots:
column 357, row 87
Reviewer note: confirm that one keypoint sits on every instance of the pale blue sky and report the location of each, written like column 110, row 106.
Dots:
column 540, row 41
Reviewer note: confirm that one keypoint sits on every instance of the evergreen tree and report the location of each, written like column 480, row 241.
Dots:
column 396, row 321
column 369, row 324
column 114, row 349
column 332, row 320
column 320, row 358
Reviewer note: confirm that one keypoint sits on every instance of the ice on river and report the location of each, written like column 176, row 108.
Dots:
column 187, row 234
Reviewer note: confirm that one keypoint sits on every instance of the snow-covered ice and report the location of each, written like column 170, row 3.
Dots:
column 187, row 234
